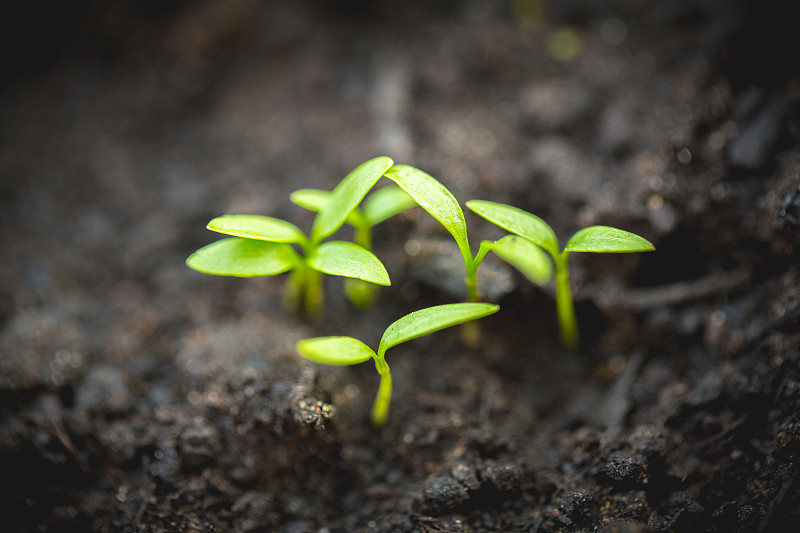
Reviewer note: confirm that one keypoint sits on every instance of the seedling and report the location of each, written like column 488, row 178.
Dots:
column 597, row 239
column 343, row 351
column 377, row 207
column 267, row 246
column 440, row 203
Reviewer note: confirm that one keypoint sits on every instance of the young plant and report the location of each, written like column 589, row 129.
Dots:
column 342, row 351
column 267, row 246
column 378, row 206
column 440, row 203
column 596, row 239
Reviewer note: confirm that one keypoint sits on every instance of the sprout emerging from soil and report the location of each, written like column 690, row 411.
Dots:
column 263, row 246
column 380, row 205
column 596, row 239
column 342, row 351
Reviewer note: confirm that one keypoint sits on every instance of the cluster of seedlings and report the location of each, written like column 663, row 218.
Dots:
column 265, row 246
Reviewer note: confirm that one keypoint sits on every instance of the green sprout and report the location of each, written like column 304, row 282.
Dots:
column 378, row 206
column 342, row 351
column 597, row 239
column 440, row 203
column 266, row 246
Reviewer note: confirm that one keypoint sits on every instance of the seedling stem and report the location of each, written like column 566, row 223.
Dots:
column 565, row 309
column 380, row 409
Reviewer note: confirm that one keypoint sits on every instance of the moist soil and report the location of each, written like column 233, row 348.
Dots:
column 139, row 395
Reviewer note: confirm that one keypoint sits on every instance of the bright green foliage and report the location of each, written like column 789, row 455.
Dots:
column 597, row 239
column 526, row 257
column 265, row 246
column 604, row 239
column 518, row 222
column 440, row 203
column 350, row 351
column 337, row 351
column 380, row 205
column 386, row 202
column 347, row 195
column 259, row 245
column 257, row 227
column 340, row 258
column 243, row 258
column 434, row 198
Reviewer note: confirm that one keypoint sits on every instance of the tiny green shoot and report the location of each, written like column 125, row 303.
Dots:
column 343, row 351
column 380, row 205
column 596, row 239
column 265, row 246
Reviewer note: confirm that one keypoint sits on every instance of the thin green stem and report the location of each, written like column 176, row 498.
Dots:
column 303, row 293
column 380, row 409
column 363, row 235
column 471, row 282
column 313, row 296
column 361, row 293
column 292, row 295
column 565, row 308
column 471, row 331
column 472, row 266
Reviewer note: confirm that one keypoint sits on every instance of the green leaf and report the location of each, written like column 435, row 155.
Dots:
column 432, row 319
column 526, row 257
column 518, row 222
column 434, row 198
column 347, row 195
column 386, row 202
column 312, row 199
column 317, row 199
column 243, row 258
column 339, row 351
column 604, row 239
column 258, row 227
column 340, row 258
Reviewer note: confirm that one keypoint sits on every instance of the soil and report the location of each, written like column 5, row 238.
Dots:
column 138, row 395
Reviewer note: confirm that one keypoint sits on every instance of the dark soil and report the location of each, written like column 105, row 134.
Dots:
column 138, row 395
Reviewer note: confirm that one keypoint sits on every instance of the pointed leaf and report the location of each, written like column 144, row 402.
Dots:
column 243, row 258
column 604, row 239
column 340, row 258
column 434, row 198
column 347, row 195
column 526, row 257
column 386, row 202
column 432, row 319
column 257, row 227
column 338, row 351
column 312, row 199
column 519, row 222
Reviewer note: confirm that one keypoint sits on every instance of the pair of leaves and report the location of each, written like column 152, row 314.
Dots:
column 349, row 351
column 262, row 245
column 247, row 257
column 597, row 239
